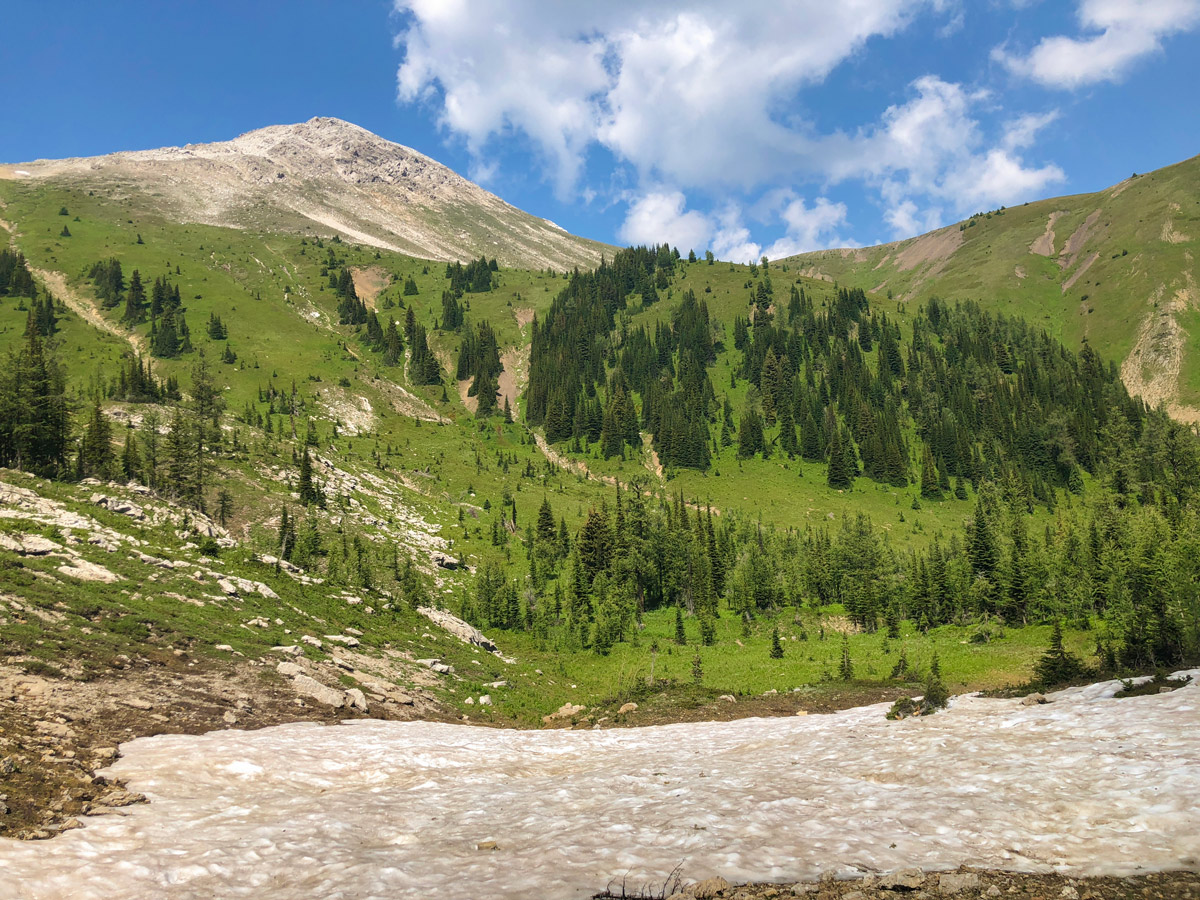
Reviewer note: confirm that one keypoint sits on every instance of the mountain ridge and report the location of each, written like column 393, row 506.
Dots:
column 1115, row 267
column 329, row 176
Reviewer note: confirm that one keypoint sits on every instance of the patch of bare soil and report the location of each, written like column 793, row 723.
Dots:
column 1078, row 273
column 471, row 403
column 1044, row 245
column 86, row 309
column 512, row 377
column 369, row 282
column 56, row 733
column 1020, row 272
column 965, row 883
column 524, row 316
column 1151, row 370
column 929, row 249
column 1169, row 234
column 1073, row 248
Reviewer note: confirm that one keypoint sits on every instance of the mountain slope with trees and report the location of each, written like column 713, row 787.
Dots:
column 1117, row 267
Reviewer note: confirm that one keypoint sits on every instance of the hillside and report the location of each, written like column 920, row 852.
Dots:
column 1116, row 267
column 663, row 482
column 325, row 177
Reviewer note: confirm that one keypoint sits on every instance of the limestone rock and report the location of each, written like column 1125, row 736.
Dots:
column 345, row 640
column 485, row 700
column 627, row 708
column 356, row 699
column 707, row 889
column 955, row 882
column 566, row 711
column 311, row 641
column 310, row 687
column 904, row 880
column 464, row 631
column 88, row 571
column 289, row 669
column 290, row 650
column 1033, row 699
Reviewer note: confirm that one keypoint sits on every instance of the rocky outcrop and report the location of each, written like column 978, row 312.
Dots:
column 336, row 178
column 464, row 631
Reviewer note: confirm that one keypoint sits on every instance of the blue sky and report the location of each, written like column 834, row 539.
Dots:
column 761, row 126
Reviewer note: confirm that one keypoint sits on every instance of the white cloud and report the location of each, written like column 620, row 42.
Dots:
column 1127, row 31
column 687, row 96
column 696, row 97
column 930, row 154
column 659, row 216
column 810, row 228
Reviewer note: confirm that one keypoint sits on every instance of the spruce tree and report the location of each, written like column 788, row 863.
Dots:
column 680, row 634
column 846, row 670
column 838, row 473
column 776, row 644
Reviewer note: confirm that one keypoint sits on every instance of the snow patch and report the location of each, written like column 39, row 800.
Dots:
column 1085, row 784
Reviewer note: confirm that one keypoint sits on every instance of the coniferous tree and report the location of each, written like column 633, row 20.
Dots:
column 34, row 416
column 96, row 456
column 838, row 474
column 776, row 645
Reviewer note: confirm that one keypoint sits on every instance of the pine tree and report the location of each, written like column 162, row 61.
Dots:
column 680, row 634
column 930, row 489
column 135, row 300
column 846, row 670
column 1057, row 666
column 838, row 474
column 131, row 463
column 34, row 417
column 95, row 449
column 776, row 644
column 309, row 493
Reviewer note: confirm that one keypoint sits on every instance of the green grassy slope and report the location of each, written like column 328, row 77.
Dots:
column 1120, row 271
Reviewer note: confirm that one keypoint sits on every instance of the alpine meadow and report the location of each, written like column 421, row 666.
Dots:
column 364, row 535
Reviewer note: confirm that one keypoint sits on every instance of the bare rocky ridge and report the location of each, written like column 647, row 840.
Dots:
column 327, row 176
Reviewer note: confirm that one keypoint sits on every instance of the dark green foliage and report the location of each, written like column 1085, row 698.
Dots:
column 423, row 367
column 473, row 278
column 680, row 634
column 216, row 328
column 34, row 415
column 16, row 280
column 410, row 287
column 135, row 300
column 109, row 282
column 846, row 667
column 1057, row 666
column 96, row 458
column 776, row 645
column 479, row 360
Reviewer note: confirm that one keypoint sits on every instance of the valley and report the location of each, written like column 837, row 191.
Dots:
column 365, row 443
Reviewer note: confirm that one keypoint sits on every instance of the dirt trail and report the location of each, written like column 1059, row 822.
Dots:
column 86, row 309
column 652, row 462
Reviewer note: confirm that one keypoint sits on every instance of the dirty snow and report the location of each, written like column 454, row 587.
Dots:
column 1084, row 785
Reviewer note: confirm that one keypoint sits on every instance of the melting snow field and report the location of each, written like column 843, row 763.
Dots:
column 1085, row 784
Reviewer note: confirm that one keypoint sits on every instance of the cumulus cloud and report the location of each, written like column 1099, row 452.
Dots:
column 696, row 98
column 660, row 216
column 1117, row 34
column 686, row 95
column 929, row 155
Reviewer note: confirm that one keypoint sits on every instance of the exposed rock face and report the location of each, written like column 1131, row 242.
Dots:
column 464, row 631
column 328, row 176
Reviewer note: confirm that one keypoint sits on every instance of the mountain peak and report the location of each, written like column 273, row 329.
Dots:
column 326, row 176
